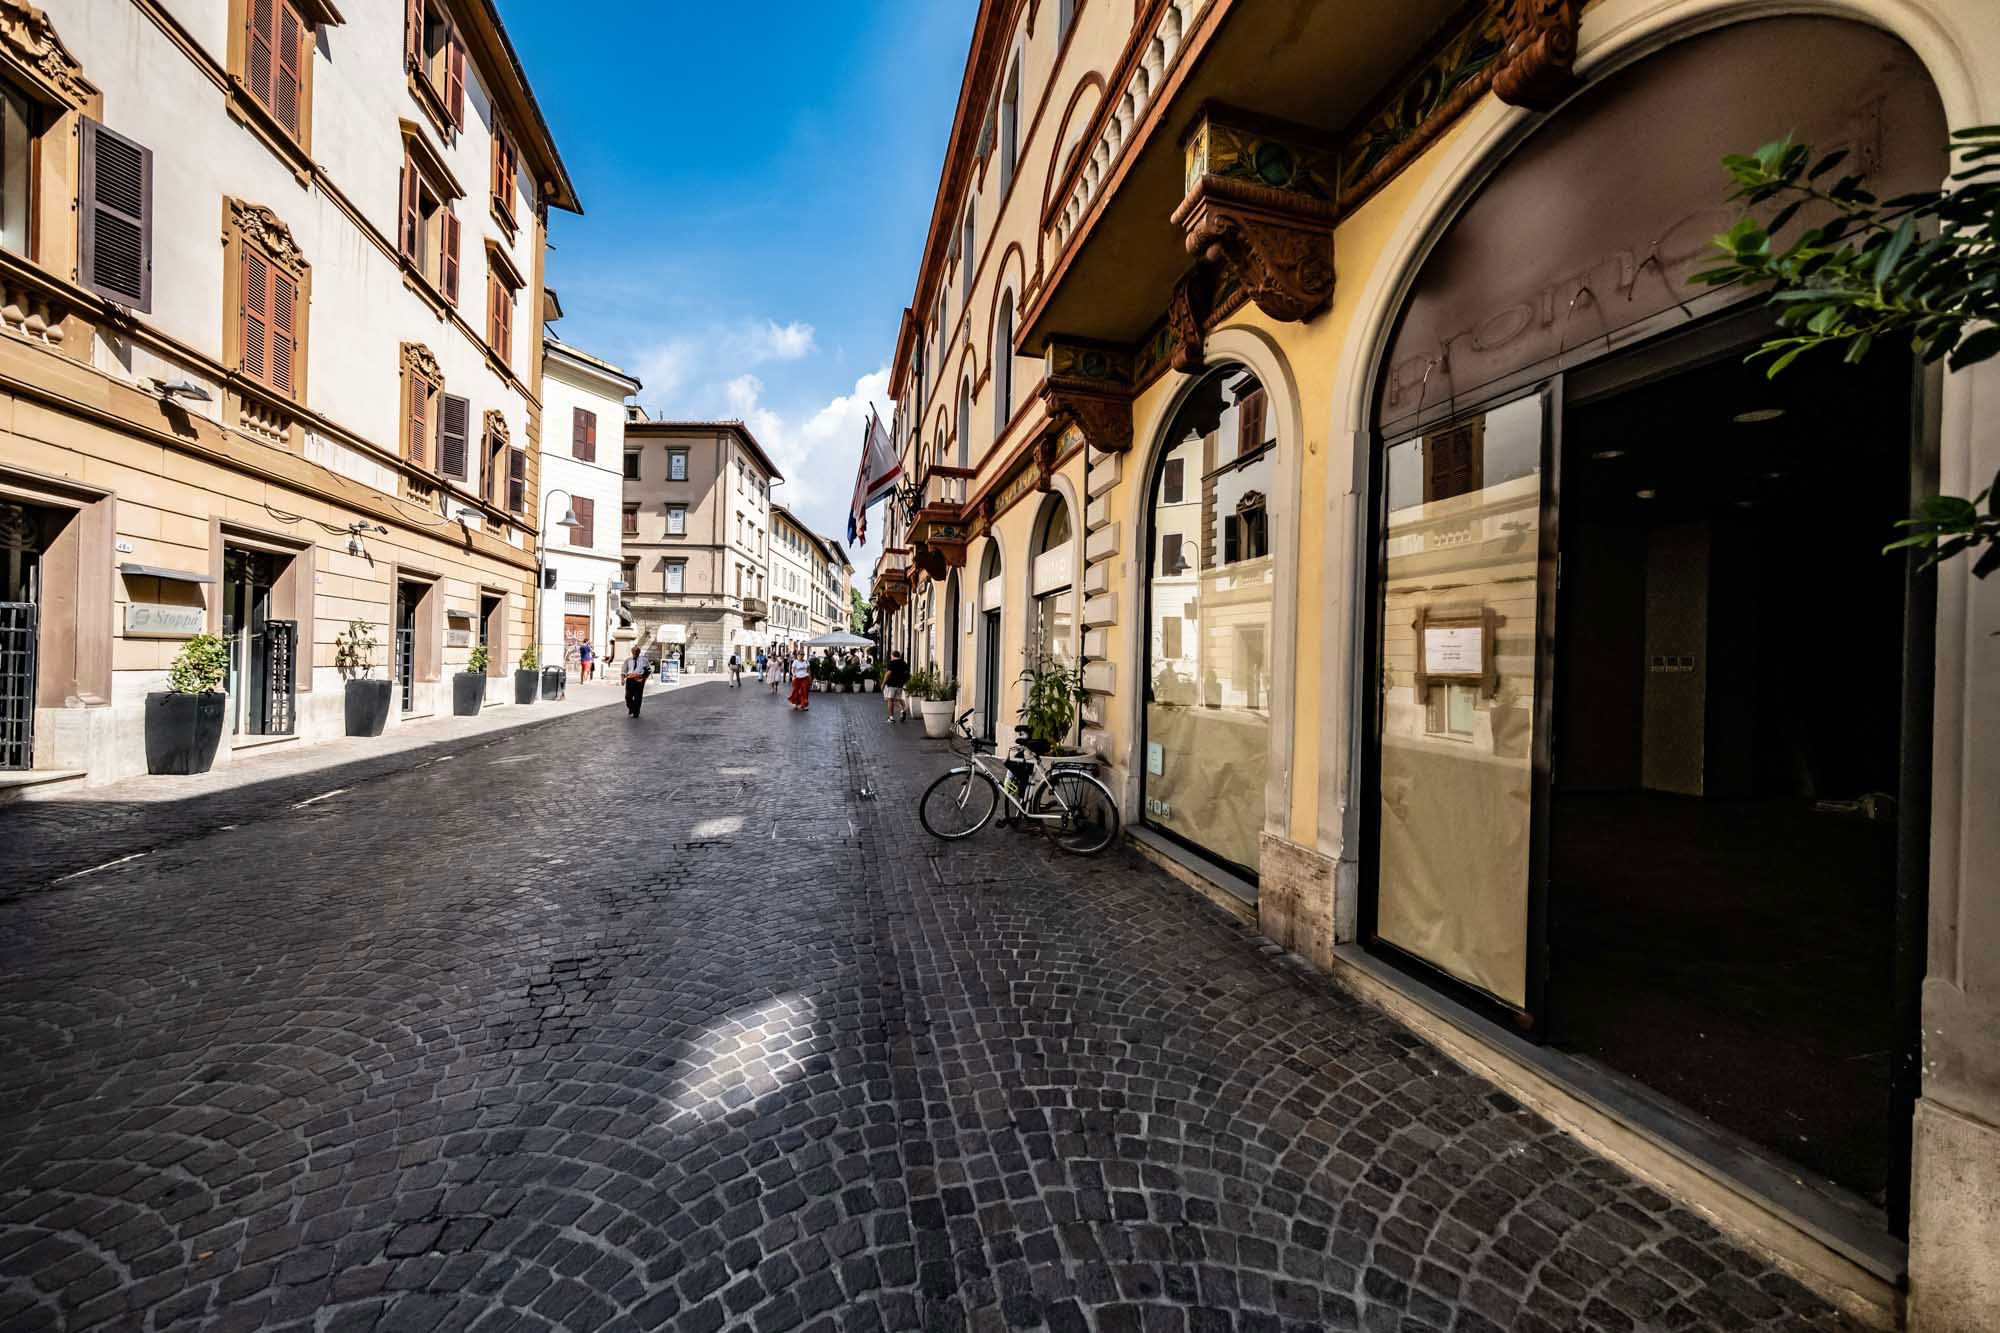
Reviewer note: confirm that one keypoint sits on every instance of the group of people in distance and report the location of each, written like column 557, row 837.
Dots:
column 779, row 665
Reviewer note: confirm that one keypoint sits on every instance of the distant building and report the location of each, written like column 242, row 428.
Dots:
column 583, row 477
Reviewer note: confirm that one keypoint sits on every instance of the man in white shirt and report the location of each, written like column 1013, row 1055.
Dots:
column 635, row 680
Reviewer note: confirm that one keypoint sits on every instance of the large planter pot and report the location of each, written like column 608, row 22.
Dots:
column 525, row 683
column 468, row 692
column 868, row 686
column 937, row 717
column 552, row 682
column 368, row 706
column 183, row 731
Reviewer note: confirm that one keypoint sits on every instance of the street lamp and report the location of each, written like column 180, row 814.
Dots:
column 568, row 520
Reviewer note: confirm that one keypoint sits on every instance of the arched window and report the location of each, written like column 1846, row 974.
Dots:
column 970, row 263
column 1051, row 581
column 1010, row 126
column 1209, row 603
column 987, row 688
column 965, row 423
column 1003, row 366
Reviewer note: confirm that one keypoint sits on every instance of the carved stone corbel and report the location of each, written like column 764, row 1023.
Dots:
column 1260, row 201
column 1187, row 310
column 268, row 232
column 420, row 362
column 496, row 426
column 1536, row 68
column 1089, row 386
column 929, row 561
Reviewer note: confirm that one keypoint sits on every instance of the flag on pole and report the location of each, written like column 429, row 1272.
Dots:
column 874, row 479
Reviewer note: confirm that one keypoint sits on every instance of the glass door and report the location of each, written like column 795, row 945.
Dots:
column 247, row 579
column 1459, row 627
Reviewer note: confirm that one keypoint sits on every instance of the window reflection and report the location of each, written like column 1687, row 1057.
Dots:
column 1209, row 626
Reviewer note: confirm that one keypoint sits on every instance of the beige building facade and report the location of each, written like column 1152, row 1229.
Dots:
column 271, row 360
column 697, row 547
column 1331, row 388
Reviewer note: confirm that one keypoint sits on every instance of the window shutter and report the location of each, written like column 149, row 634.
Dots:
column 286, row 80
column 413, row 34
column 454, row 79
column 454, row 424
column 260, row 48
column 409, row 227
column 449, row 266
column 503, row 317
column 1249, row 421
column 517, row 479
column 284, row 331
column 583, row 435
column 419, row 424
column 256, row 315
column 585, row 533
column 116, row 255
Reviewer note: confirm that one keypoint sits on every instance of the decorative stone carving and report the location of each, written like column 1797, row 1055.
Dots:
column 1088, row 386
column 1260, row 203
column 417, row 359
column 1536, row 69
column 263, row 228
column 28, row 36
column 930, row 561
column 495, row 426
column 1187, row 313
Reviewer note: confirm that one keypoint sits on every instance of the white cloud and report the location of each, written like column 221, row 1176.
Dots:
column 779, row 342
column 817, row 452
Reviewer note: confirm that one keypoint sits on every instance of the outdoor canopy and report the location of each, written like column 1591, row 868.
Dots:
column 840, row 638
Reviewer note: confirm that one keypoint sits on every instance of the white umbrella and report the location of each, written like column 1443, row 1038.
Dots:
column 840, row 638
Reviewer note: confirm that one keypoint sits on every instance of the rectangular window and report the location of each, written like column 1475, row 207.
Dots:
column 584, row 534
column 629, row 524
column 631, row 465
column 277, row 43
column 431, row 237
column 434, row 51
column 506, row 175
column 583, row 435
column 1173, row 482
column 496, row 463
column 1172, row 561
column 1170, row 637
column 677, row 465
column 628, row 574
column 1250, row 422
column 114, row 204
column 269, row 314
column 454, row 427
column 676, row 576
column 677, row 520
column 500, row 314
column 517, row 480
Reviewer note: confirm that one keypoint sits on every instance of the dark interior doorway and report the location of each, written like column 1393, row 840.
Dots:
column 1727, row 743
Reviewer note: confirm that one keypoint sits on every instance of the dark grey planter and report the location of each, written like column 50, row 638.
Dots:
column 468, row 692
column 524, row 686
column 368, row 706
column 184, row 731
column 553, row 679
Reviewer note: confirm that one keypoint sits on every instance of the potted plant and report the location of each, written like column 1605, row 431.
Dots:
column 526, row 676
column 468, row 687
column 1049, row 709
column 184, row 725
column 850, row 676
column 871, row 679
column 367, row 699
column 937, row 696
column 817, row 666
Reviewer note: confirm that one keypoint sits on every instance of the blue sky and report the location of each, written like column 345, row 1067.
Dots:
column 756, row 184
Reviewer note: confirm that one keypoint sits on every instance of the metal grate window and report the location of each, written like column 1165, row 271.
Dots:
column 406, row 667
column 17, row 685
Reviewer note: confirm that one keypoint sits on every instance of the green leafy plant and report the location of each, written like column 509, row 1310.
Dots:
column 201, row 667
column 354, row 651
column 1923, row 266
column 850, row 676
column 476, row 661
column 1054, row 692
column 529, row 658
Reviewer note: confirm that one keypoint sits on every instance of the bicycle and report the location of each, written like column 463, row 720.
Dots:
column 1077, row 809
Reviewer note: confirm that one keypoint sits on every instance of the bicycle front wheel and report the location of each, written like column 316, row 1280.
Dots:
column 958, row 804
column 1089, row 821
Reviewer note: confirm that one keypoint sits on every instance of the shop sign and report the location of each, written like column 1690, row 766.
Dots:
column 457, row 638
column 157, row 620
column 1156, row 758
column 1453, row 650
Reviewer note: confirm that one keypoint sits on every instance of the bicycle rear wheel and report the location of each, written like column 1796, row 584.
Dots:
column 958, row 804
column 1089, row 820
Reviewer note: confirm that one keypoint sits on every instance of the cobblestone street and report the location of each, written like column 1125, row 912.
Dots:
column 664, row 1024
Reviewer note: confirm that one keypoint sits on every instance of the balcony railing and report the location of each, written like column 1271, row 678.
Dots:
column 945, row 488
column 755, row 608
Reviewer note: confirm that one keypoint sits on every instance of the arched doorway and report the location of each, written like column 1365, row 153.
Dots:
column 953, row 629
column 1051, row 576
column 988, row 642
column 1209, row 592
column 1605, row 800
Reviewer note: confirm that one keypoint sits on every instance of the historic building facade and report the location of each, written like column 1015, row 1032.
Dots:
column 582, row 479
column 271, row 350
column 793, row 551
column 1333, row 390
column 697, row 547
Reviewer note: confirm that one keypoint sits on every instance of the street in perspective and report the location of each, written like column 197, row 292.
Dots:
column 965, row 665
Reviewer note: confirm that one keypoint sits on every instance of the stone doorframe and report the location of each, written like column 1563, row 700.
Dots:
column 73, row 649
column 427, row 639
column 291, row 595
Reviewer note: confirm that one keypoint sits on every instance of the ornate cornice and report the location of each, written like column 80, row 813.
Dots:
column 1087, row 386
column 264, row 229
column 417, row 360
column 28, row 36
column 495, row 426
column 1536, row 68
column 1260, row 203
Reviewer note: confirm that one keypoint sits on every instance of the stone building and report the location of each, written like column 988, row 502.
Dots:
column 1269, row 362
column 582, row 478
column 697, row 548
column 793, row 550
column 270, row 360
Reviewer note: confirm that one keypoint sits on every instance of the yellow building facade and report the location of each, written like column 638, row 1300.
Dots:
column 1330, row 387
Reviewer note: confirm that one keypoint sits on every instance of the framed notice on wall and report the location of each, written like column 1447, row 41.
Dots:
column 1455, row 645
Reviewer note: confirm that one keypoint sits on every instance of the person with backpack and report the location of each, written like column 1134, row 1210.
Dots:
column 735, row 669
column 895, row 688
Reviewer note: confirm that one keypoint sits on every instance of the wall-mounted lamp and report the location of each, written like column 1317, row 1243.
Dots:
column 187, row 389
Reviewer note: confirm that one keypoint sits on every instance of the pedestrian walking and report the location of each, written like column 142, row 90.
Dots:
column 760, row 664
column 735, row 670
column 776, row 672
column 583, row 655
column 802, row 683
column 635, row 680
column 895, row 688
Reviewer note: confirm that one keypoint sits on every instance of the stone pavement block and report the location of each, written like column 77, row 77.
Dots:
column 723, row 1043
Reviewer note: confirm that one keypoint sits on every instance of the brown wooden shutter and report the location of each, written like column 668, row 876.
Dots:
column 260, row 50
column 284, row 331
column 517, row 480
column 409, row 228
column 583, row 435
column 116, row 203
column 256, row 316
column 413, row 34
column 454, row 425
column 449, row 266
column 287, row 81
column 503, row 317
column 454, row 79
column 419, row 424
column 585, row 533
column 1249, row 422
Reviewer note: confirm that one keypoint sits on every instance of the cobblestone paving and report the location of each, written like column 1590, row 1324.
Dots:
column 661, row 1024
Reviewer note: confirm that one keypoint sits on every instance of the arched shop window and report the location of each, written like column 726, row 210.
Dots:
column 1052, row 576
column 1208, row 644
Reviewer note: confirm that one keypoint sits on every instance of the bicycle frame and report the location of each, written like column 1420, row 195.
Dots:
column 995, row 768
